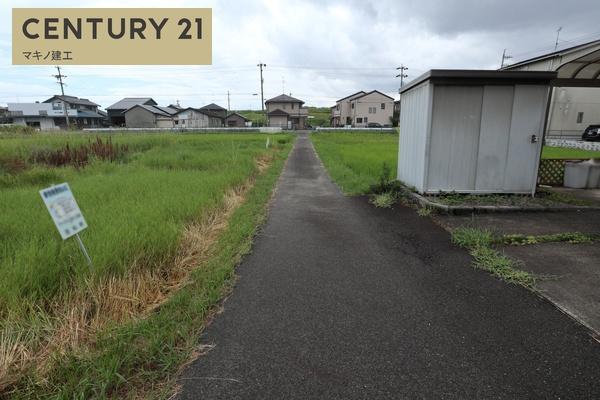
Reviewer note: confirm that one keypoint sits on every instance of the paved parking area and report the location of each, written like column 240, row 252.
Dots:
column 569, row 274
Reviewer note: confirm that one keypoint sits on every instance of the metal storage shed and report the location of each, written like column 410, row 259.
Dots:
column 473, row 131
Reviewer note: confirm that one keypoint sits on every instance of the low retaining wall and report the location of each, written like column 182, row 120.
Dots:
column 573, row 144
column 384, row 130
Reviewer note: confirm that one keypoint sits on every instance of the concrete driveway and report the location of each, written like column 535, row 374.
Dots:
column 340, row 300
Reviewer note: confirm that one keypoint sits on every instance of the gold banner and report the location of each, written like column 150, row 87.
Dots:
column 111, row 36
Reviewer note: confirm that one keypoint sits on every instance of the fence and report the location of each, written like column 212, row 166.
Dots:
column 573, row 144
column 552, row 170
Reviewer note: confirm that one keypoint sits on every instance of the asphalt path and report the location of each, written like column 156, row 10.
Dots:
column 341, row 300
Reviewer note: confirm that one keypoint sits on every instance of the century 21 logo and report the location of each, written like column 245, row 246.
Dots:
column 65, row 28
column 112, row 36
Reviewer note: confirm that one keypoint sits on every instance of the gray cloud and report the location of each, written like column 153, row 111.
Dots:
column 306, row 41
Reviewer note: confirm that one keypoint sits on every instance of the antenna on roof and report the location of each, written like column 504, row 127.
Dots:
column 557, row 36
column 504, row 58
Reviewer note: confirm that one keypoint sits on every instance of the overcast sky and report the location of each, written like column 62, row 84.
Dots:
column 322, row 50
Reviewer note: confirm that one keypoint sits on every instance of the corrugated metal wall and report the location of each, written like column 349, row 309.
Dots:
column 479, row 140
column 414, row 123
column 454, row 137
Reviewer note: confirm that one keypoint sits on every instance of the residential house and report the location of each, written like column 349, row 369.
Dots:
column 216, row 110
column 50, row 114
column 149, row 116
column 44, row 116
column 87, row 115
column 235, row 120
column 575, row 101
column 116, row 112
column 196, row 118
column 286, row 112
column 361, row 109
column 341, row 114
column 4, row 118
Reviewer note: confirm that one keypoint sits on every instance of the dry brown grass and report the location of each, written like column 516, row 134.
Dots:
column 70, row 323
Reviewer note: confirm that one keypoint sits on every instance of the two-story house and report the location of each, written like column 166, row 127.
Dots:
column 341, row 113
column 363, row 109
column 286, row 112
column 50, row 114
column 87, row 115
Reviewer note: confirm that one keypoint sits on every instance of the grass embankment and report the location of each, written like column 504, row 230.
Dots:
column 123, row 328
column 356, row 161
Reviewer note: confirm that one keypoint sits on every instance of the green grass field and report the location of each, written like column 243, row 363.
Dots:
column 355, row 160
column 137, row 209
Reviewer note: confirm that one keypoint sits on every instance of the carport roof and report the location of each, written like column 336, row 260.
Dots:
column 576, row 66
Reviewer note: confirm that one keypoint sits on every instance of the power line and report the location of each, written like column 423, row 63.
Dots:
column 60, row 77
column 262, row 93
column 402, row 75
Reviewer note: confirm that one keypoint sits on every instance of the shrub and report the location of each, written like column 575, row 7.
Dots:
column 78, row 157
column 17, row 130
column 383, row 200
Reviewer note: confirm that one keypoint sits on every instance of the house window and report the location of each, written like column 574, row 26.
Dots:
column 337, row 107
column 366, row 120
column 579, row 117
column 372, row 110
column 352, row 106
column 284, row 106
column 383, row 106
column 359, row 120
column 57, row 106
column 292, row 106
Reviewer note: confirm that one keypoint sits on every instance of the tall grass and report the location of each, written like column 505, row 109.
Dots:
column 154, row 217
column 355, row 161
column 136, row 208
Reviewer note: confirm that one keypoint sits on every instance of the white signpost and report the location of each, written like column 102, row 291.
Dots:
column 65, row 213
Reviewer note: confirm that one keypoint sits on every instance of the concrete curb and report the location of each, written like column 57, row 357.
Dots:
column 446, row 209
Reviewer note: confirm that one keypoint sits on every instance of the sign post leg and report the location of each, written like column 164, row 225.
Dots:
column 83, row 250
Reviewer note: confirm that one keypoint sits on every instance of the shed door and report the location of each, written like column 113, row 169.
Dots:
column 454, row 138
column 528, row 113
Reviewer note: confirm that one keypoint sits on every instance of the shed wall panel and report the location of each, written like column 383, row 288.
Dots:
column 496, row 114
column 414, row 120
column 529, row 108
column 454, row 138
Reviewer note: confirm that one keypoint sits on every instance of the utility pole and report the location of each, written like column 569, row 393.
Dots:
column 557, row 36
column 262, row 93
column 402, row 75
column 228, row 102
column 60, row 77
column 504, row 58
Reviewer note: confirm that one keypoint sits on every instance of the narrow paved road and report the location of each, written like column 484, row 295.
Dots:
column 340, row 300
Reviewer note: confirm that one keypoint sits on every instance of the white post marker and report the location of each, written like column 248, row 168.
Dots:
column 65, row 213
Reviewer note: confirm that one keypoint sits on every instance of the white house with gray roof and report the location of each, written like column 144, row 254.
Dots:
column 50, row 114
